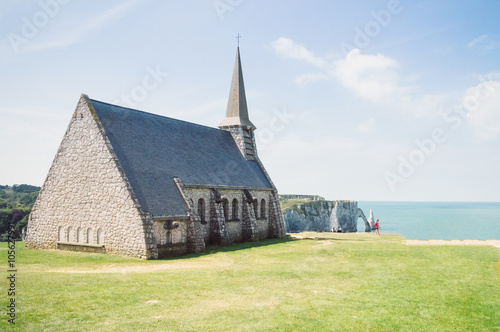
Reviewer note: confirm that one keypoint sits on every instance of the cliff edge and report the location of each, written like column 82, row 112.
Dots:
column 303, row 213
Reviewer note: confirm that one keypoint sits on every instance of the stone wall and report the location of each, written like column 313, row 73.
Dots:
column 235, row 220
column 99, row 248
column 178, row 234
column 276, row 222
column 262, row 228
column 234, row 230
column 245, row 140
column 86, row 197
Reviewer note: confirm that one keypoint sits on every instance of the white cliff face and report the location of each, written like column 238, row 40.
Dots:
column 325, row 216
column 371, row 220
column 309, row 218
column 344, row 217
column 362, row 216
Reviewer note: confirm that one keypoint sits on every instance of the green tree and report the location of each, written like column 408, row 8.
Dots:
column 4, row 220
column 24, row 188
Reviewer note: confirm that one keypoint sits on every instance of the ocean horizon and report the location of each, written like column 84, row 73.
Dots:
column 436, row 220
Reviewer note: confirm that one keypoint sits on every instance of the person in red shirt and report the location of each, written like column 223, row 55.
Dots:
column 377, row 227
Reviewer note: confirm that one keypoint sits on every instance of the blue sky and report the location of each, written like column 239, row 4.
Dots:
column 361, row 100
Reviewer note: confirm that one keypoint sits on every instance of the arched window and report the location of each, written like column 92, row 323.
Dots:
column 255, row 208
column 71, row 236
column 201, row 209
column 263, row 208
column 225, row 208
column 169, row 237
column 79, row 235
column 100, row 236
column 89, row 236
column 60, row 234
column 234, row 209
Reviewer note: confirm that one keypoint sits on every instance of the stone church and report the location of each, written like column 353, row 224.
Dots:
column 138, row 184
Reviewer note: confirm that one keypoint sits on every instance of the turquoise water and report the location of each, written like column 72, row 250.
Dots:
column 436, row 220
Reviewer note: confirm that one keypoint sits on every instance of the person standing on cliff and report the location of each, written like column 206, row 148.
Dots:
column 377, row 226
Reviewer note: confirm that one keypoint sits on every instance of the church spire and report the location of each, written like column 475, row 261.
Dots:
column 237, row 111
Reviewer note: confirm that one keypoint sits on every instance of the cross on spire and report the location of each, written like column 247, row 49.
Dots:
column 238, row 37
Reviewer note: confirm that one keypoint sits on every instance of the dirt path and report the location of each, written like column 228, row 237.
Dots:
column 495, row 243
column 153, row 266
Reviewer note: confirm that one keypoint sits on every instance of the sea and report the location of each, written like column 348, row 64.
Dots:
column 436, row 220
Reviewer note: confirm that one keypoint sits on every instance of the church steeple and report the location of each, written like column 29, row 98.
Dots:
column 237, row 111
column 237, row 121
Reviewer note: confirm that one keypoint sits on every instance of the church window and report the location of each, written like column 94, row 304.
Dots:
column 70, row 234
column 225, row 208
column 169, row 237
column 100, row 236
column 89, row 236
column 263, row 208
column 255, row 208
column 79, row 235
column 201, row 209
column 234, row 209
column 60, row 235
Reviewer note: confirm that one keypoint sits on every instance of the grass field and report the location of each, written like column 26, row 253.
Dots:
column 292, row 203
column 323, row 282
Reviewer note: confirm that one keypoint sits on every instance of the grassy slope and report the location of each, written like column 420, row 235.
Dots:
column 324, row 282
column 294, row 202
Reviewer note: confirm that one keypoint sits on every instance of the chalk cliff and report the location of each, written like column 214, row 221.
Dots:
column 302, row 214
column 309, row 217
column 345, row 216
column 371, row 220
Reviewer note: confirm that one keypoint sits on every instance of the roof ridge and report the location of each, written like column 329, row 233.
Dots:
column 158, row 115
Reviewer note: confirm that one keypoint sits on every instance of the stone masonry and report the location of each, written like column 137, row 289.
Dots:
column 218, row 228
column 86, row 200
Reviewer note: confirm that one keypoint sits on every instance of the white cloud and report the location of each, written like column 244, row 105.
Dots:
column 428, row 104
column 483, row 104
column 485, row 42
column 371, row 76
column 304, row 79
column 367, row 126
column 287, row 48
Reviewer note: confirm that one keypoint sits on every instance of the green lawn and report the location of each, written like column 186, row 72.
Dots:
column 327, row 281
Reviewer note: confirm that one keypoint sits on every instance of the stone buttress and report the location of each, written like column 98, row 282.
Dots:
column 249, row 222
column 218, row 227
column 195, row 241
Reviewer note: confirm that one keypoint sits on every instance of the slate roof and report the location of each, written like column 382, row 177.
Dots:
column 154, row 149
